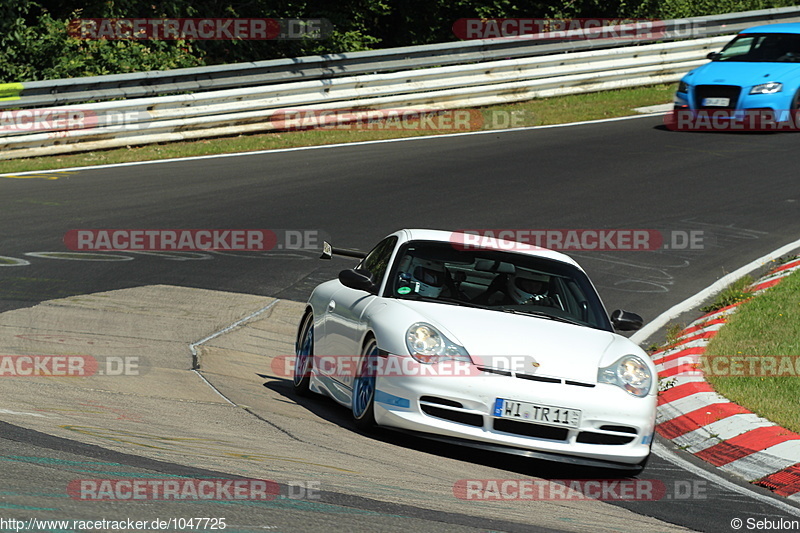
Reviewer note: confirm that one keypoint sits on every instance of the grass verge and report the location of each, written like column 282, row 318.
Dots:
column 765, row 331
column 732, row 294
column 557, row 110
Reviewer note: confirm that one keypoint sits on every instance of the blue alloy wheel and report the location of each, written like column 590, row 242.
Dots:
column 364, row 387
column 304, row 354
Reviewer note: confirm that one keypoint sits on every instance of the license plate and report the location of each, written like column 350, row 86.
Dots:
column 716, row 102
column 549, row 415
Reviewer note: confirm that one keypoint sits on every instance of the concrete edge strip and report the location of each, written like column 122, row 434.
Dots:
column 193, row 346
column 757, row 463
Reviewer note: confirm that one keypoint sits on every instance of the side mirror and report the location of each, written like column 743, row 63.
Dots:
column 714, row 56
column 626, row 321
column 360, row 280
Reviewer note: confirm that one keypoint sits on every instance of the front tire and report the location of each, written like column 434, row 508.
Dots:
column 364, row 387
column 794, row 116
column 304, row 356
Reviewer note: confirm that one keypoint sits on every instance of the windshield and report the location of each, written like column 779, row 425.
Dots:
column 501, row 281
column 762, row 47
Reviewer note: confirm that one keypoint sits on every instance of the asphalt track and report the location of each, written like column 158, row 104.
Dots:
column 740, row 190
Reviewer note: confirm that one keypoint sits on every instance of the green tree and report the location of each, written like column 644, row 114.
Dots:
column 34, row 41
column 34, row 45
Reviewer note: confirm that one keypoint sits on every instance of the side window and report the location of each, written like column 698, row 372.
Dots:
column 738, row 47
column 377, row 261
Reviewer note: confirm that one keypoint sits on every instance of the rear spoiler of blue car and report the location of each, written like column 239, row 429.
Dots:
column 329, row 251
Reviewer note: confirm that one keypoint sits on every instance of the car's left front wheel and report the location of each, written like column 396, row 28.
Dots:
column 364, row 386
column 795, row 109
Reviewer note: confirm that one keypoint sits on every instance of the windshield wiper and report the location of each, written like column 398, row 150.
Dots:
column 540, row 314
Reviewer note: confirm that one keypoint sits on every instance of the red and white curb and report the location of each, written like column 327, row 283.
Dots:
column 710, row 426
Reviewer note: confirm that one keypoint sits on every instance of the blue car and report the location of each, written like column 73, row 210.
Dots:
column 757, row 74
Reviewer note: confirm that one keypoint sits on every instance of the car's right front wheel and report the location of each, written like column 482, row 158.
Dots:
column 304, row 355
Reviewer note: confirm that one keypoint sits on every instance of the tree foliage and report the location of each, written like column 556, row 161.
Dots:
column 34, row 43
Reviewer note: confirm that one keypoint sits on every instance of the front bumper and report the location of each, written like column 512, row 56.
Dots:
column 745, row 112
column 531, row 454
column 739, row 97
column 614, row 426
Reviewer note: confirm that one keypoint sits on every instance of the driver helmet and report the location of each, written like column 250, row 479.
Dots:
column 427, row 277
column 524, row 286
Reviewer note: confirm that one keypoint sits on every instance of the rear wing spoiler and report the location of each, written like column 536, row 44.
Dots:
column 329, row 251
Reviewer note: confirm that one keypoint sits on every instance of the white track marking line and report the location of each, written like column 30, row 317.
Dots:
column 325, row 146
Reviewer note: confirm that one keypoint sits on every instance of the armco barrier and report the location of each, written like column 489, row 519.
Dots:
column 458, row 75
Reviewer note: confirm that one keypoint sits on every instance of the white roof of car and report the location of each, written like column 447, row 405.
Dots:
column 487, row 240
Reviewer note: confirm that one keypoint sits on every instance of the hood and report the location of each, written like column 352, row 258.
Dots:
column 745, row 74
column 562, row 350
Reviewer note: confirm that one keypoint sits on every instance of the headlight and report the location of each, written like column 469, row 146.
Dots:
column 629, row 373
column 683, row 87
column 767, row 88
column 427, row 344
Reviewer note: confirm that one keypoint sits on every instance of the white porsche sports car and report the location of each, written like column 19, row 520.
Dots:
column 497, row 345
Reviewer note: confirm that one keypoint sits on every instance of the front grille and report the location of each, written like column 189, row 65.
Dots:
column 441, row 401
column 534, row 377
column 494, row 371
column 471, row 419
column 542, row 379
column 619, row 429
column 530, row 430
column 731, row 92
column 579, row 384
column 588, row 437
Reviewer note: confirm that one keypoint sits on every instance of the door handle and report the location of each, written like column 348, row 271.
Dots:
column 331, row 306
